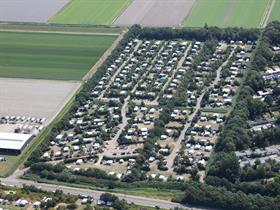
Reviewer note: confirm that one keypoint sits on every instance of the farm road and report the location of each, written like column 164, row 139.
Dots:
column 267, row 13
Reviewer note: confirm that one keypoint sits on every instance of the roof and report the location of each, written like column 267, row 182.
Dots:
column 13, row 140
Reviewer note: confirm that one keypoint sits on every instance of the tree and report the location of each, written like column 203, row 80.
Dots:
column 225, row 165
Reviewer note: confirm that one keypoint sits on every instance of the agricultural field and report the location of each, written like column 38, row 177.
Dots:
column 29, row 11
column 227, row 13
column 38, row 98
column 275, row 14
column 49, row 55
column 247, row 13
column 97, row 12
column 155, row 13
column 204, row 12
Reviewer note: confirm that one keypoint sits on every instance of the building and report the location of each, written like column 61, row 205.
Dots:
column 13, row 143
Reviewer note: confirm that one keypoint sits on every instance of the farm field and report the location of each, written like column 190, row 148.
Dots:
column 29, row 11
column 50, row 56
column 275, row 14
column 155, row 13
column 247, row 13
column 204, row 12
column 227, row 13
column 38, row 98
column 97, row 12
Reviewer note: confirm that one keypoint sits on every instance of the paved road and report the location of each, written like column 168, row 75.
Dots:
column 144, row 201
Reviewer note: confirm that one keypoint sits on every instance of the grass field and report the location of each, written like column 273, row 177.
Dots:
column 226, row 13
column 50, row 56
column 97, row 12
column 247, row 13
column 206, row 12
column 275, row 14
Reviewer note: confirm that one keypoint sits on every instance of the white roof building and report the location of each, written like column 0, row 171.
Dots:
column 14, row 141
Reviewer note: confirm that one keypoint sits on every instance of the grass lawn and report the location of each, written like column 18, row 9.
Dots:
column 226, row 13
column 275, row 14
column 247, row 13
column 97, row 12
column 50, row 56
column 206, row 12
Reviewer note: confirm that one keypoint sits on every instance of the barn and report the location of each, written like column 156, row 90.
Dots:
column 13, row 143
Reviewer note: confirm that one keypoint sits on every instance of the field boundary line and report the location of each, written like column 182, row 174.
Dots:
column 187, row 16
column 60, row 32
column 59, row 11
column 122, row 11
column 94, row 68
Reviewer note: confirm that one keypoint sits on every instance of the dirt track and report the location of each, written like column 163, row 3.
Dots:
column 155, row 12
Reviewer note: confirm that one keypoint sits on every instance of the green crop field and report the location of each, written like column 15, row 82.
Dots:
column 275, row 14
column 50, row 56
column 206, row 12
column 247, row 13
column 226, row 13
column 97, row 12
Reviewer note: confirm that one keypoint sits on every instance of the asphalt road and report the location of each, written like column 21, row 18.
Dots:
column 144, row 201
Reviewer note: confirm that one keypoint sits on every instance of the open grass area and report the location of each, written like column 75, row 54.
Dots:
column 7, row 165
column 50, row 56
column 97, row 12
column 275, row 14
column 164, row 194
column 226, row 13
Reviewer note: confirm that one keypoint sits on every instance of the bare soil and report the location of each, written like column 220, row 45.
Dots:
column 34, row 98
column 155, row 12
column 39, row 11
